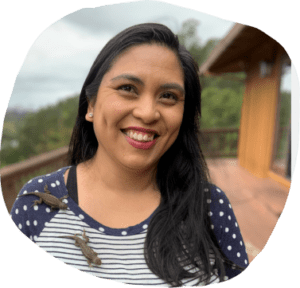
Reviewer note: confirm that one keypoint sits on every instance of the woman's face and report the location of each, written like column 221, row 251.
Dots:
column 139, row 107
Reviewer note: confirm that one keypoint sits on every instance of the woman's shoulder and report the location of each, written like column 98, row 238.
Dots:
column 50, row 180
column 51, row 183
column 219, row 202
column 215, row 190
column 30, row 211
column 217, row 197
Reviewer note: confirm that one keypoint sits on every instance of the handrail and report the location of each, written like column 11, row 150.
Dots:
column 219, row 142
column 14, row 176
column 219, row 130
column 34, row 162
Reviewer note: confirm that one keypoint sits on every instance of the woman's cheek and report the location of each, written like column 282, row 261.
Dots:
column 118, row 107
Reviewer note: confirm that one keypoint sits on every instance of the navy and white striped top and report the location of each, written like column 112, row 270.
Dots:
column 121, row 250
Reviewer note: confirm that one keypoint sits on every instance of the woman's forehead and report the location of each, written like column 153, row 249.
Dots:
column 156, row 57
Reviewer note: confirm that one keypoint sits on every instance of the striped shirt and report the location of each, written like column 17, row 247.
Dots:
column 121, row 250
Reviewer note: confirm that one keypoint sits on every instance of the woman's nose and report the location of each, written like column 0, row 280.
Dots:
column 146, row 110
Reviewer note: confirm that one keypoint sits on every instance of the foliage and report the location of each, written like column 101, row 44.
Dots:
column 285, row 109
column 283, row 137
column 189, row 38
column 42, row 131
column 221, row 107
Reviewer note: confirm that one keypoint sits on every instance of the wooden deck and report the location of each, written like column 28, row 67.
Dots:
column 257, row 202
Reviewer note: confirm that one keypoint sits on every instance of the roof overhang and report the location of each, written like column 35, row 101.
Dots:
column 242, row 45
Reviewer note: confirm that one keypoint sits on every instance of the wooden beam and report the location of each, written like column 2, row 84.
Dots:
column 221, row 47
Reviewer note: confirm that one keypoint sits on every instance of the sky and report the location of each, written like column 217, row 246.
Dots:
column 59, row 59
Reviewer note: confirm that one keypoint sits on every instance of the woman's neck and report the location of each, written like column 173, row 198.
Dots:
column 114, row 195
column 103, row 171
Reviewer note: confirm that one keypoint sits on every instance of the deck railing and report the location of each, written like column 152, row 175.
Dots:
column 220, row 142
column 215, row 143
column 14, row 176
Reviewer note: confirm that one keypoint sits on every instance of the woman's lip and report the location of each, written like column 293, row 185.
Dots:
column 141, row 129
column 139, row 144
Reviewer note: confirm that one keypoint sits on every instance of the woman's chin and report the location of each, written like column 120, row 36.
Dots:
column 138, row 163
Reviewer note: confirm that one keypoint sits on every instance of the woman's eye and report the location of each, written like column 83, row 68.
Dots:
column 127, row 88
column 170, row 96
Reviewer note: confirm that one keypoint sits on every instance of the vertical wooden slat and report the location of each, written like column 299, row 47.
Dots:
column 258, row 118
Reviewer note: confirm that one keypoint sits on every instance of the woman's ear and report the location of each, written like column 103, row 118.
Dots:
column 90, row 112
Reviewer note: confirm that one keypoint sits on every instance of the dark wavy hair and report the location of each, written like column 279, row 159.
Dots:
column 179, row 232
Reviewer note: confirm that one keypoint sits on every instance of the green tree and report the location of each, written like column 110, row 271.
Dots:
column 188, row 37
column 285, row 108
column 221, row 107
column 42, row 131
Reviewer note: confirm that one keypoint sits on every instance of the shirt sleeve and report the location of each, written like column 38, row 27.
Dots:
column 227, row 231
column 30, row 218
column 22, row 212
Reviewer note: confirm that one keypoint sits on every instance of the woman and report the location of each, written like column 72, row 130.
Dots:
column 138, row 183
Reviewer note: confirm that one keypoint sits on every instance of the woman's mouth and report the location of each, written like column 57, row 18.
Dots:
column 140, row 139
column 139, row 136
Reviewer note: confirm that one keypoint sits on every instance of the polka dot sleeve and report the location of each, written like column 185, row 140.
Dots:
column 22, row 213
column 30, row 218
column 226, row 229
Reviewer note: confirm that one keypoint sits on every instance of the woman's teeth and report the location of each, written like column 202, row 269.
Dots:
column 139, row 136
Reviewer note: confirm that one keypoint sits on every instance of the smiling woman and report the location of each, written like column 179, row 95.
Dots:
column 140, row 100
column 137, row 187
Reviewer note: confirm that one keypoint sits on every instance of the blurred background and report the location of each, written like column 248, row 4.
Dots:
column 43, row 105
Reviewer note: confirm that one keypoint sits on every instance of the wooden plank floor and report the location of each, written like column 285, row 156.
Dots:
column 257, row 202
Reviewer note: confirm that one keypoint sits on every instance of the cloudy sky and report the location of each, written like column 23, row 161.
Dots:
column 58, row 61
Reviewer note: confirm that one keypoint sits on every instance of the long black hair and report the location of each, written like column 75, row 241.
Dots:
column 179, row 232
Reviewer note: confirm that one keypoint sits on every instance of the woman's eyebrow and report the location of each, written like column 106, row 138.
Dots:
column 129, row 77
column 173, row 86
